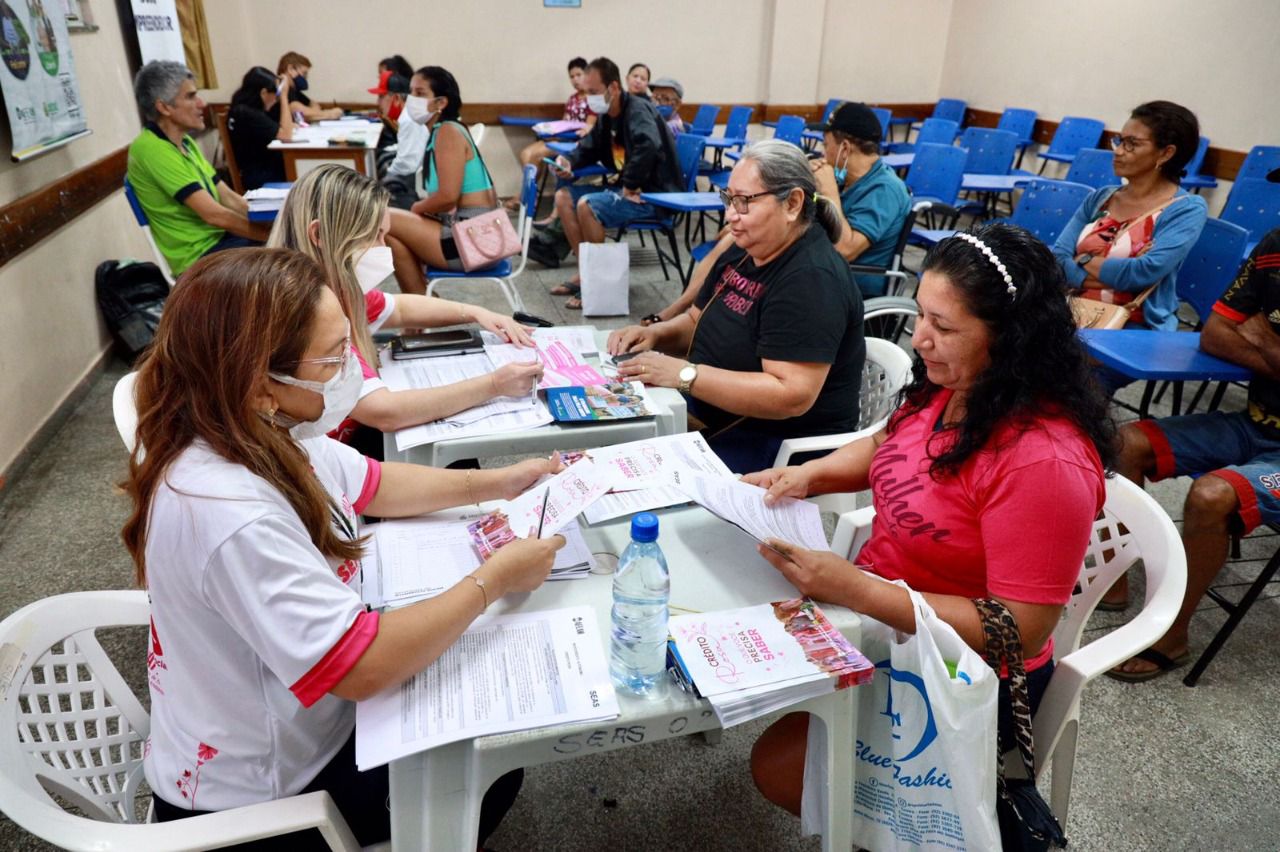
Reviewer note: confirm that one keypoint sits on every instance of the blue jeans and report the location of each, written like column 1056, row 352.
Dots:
column 611, row 209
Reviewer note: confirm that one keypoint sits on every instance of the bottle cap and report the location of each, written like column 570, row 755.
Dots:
column 644, row 527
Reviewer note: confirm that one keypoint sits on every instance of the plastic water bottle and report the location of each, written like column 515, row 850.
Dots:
column 641, row 591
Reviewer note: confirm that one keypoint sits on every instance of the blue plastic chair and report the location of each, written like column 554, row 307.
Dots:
column 1211, row 265
column 1254, row 204
column 505, row 272
column 934, row 131
column 689, row 150
column 790, row 128
column 951, row 109
column 734, row 136
column 1021, row 122
column 1195, row 181
column 886, row 119
column 1045, row 209
column 1260, row 160
column 990, row 151
column 830, row 108
column 1093, row 167
column 936, row 174
column 145, row 224
column 1072, row 134
column 704, row 121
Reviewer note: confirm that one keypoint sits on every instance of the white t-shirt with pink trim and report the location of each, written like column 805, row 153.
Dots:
column 251, row 626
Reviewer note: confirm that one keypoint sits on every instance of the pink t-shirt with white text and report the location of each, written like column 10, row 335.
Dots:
column 1013, row 523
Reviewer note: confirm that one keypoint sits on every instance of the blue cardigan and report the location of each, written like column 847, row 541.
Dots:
column 1177, row 230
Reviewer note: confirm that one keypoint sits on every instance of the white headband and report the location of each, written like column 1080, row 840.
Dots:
column 991, row 256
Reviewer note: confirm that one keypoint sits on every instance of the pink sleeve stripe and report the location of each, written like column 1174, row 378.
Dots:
column 342, row 657
column 374, row 302
column 372, row 479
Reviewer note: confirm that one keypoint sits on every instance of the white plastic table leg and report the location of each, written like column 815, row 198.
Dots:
column 433, row 801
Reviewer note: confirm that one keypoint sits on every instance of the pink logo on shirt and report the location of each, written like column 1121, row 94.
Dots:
column 155, row 660
column 189, row 783
column 744, row 293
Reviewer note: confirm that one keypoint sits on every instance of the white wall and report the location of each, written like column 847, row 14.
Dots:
column 50, row 331
column 883, row 52
column 1100, row 59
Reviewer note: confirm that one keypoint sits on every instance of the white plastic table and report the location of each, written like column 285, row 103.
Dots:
column 314, row 148
column 436, row 795
column 671, row 419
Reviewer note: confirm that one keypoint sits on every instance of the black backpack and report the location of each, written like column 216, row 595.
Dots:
column 131, row 297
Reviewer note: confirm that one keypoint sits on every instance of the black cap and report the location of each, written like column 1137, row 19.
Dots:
column 1274, row 176
column 855, row 119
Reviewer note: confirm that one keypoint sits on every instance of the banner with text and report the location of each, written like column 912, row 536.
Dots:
column 41, row 95
column 159, row 35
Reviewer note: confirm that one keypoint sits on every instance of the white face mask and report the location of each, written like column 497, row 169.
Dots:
column 341, row 393
column 599, row 104
column 374, row 267
column 416, row 108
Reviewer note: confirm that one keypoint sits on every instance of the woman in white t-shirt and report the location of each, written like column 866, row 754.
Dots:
column 339, row 218
column 244, row 532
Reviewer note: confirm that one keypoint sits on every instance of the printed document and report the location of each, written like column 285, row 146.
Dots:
column 640, row 473
column 741, row 504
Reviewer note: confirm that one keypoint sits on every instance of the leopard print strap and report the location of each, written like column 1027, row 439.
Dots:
column 1004, row 646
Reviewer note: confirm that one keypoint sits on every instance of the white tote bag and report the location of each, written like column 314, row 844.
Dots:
column 925, row 754
column 606, row 281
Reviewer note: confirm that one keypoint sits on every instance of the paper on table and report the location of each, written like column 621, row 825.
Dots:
column 266, row 193
column 572, row 490
column 562, row 366
column 506, row 673
column 579, row 338
column 419, row 558
column 640, row 473
column 741, row 504
column 503, row 414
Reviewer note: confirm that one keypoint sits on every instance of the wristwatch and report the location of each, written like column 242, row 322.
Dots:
column 1083, row 259
column 687, row 375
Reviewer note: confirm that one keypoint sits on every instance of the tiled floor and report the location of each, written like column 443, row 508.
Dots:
column 1159, row 766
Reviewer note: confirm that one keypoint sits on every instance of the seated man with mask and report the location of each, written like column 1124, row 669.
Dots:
column 668, row 94
column 411, row 137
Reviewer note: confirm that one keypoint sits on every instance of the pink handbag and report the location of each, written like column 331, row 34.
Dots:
column 485, row 240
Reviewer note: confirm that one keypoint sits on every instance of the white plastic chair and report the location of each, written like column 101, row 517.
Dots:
column 1132, row 527
column 505, row 273
column 70, row 725
column 884, row 374
column 124, row 410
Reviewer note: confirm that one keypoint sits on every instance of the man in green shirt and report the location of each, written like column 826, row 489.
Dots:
column 191, row 212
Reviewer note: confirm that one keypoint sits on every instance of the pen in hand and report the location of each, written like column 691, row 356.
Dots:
column 542, row 517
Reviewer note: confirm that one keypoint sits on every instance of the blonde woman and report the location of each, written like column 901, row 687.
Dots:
column 340, row 219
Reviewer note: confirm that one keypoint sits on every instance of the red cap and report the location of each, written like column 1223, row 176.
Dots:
column 381, row 88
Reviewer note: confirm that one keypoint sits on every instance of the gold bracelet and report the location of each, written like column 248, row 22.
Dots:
column 471, row 497
column 480, row 585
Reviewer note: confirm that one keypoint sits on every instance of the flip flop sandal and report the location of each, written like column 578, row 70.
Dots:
column 568, row 288
column 574, row 304
column 1164, row 664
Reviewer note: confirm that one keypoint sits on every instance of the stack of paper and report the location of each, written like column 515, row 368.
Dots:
column 506, row 673
column 641, row 474
column 266, row 198
column 415, row 559
column 741, row 504
column 562, row 364
column 597, row 403
column 756, row 660
column 502, row 414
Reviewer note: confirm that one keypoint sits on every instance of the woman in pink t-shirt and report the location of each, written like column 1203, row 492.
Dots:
column 986, row 481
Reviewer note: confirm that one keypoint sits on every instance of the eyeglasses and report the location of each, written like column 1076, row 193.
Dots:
column 1129, row 143
column 740, row 203
column 340, row 360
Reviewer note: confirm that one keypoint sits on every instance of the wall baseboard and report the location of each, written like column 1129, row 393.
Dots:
column 54, row 422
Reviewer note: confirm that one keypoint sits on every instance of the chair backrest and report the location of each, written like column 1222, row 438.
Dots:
column 1253, row 204
column 1019, row 121
column 704, row 121
column 140, row 216
column 1197, row 159
column 689, row 149
column 1093, row 167
column 936, row 172
column 1074, row 133
column 1047, row 206
column 224, row 133
column 991, row 152
column 1211, row 265
column 1260, row 160
column 124, row 411
column 885, row 116
column 884, row 374
column 888, row 317
column 938, row 131
column 832, row 103
column 735, row 126
column 477, row 132
column 950, row 109
column 790, row 128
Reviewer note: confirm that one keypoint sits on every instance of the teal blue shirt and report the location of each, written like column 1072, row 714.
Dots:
column 875, row 206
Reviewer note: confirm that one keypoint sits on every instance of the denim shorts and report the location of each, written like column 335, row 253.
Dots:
column 611, row 209
column 1231, row 447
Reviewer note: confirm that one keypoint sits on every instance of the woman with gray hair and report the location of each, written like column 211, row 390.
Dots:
column 191, row 212
column 773, row 346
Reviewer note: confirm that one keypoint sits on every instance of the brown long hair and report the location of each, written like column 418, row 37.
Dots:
column 237, row 315
column 348, row 208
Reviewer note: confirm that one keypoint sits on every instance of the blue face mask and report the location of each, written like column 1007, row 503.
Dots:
column 841, row 171
column 300, row 83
